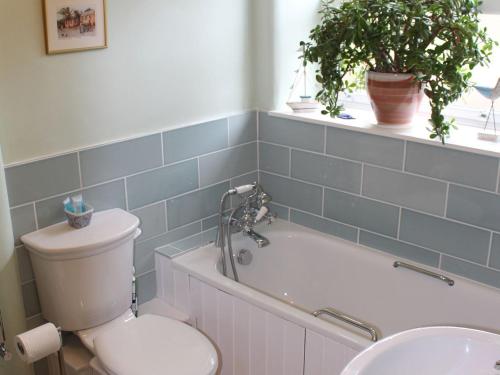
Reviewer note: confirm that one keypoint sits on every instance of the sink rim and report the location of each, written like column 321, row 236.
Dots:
column 365, row 357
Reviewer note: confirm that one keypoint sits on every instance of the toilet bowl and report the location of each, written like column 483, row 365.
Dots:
column 84, row 281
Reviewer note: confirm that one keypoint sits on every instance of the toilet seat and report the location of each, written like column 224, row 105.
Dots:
column 155, row 345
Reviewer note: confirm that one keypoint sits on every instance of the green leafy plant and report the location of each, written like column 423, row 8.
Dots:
column 438, row 41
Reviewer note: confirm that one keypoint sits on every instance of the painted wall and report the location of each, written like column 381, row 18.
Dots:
column 11, row 304
column 168, row 63
column 279, row 26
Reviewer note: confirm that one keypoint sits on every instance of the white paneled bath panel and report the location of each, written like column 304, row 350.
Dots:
column 325, row 356
column 251, row 341
column 172, row 284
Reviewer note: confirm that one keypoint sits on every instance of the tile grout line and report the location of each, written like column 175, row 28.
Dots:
column 403, row 169
column 400, row 214
column 383, row 202
column 36, row 216
column 165, row 213
column 498, row 178
column 446, row 200
column 490, row 249
column 162, row 148
column 127, row 139
column 199, row 174
column 79, row 169
column 324, row 140
column 289, row 162
column 126, row 193
column 426, row 177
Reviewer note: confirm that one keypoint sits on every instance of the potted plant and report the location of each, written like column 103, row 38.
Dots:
column 409, row 48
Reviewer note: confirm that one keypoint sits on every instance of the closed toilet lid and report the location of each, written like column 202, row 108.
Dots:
column 155, row 345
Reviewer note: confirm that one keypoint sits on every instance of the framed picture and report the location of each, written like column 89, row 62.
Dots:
column 75, row 25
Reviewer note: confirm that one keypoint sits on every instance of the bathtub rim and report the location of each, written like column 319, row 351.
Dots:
column 201, row 264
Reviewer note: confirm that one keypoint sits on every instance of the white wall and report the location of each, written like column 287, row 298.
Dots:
column 279, row 27
column 11, row 303
column 168, row 63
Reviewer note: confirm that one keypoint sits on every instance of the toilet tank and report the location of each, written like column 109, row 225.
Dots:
column 84, row 276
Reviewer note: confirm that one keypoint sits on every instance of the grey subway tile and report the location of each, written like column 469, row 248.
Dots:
column 373, row 149
column 452, row 165
column 495, row 252
column 35, row 321
column 399, row 249
column 404, row 189
column 471, row 271
column 282, row 212
column 41, row 179
column 30, row 299
column 41, row 367
column 162, row 183
column 101, row 197
column 292, row 193
column 199, row 240
column 245, row 179
column 106, row 196
column 242, row 128
column 474, row 207
column 361, row 212
column 168, row 251
column 153, row 220
column 323, row 170
column 120, row 159
column 23, row 221
column 146, row 287
column 185, row 143
column 211, row 222
column 225, row 164
column 445, row 236
column 144, row 250
column 291, row 133
column 274, row 158
column 24, row 264
column 50, row 211
column 324, row 225
column 195, row 206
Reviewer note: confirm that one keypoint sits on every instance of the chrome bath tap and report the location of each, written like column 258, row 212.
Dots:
column 251, row 211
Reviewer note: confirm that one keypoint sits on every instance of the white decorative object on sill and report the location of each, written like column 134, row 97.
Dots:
column 306, row 103
column 491, row 93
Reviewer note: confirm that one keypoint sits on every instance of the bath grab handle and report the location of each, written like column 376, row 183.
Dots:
column 435, row 275
column 349, row 320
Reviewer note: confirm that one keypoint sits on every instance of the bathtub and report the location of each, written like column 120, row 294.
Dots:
column 303, row 271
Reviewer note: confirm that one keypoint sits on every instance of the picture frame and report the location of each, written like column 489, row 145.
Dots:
column 74, row 25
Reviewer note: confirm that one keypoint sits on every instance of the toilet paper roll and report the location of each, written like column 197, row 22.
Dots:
column 38, row 343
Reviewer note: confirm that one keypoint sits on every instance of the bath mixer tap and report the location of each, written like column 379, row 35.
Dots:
column 251, row 211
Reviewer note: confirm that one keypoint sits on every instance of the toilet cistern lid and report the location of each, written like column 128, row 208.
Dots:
column 60, row 241
column 155, row 345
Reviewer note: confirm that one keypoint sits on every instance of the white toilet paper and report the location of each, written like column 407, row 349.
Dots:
column 38, row 343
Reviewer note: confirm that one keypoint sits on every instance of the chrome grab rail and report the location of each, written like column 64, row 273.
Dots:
column 435, row 275
column 349, row 320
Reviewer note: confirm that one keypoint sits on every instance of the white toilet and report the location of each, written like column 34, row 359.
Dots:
column 84, row 282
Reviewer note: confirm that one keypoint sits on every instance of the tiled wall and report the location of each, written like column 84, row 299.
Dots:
column 430, row 204
column 172, row 181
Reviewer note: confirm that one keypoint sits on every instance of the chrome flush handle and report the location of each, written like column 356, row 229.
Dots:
column 4, row 354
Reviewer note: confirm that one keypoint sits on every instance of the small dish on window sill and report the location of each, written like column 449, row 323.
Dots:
column 487, row 135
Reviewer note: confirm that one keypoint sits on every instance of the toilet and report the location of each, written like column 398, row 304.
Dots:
column 84, row 282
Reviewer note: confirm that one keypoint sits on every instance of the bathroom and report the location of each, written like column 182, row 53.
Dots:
column 354, row 231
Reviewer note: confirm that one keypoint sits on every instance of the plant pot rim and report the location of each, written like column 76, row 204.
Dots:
column 374, row 74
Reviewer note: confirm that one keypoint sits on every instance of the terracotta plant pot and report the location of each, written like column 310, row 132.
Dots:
column 395, row 98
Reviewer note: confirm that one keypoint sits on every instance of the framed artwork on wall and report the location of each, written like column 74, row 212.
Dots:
column 75, row 25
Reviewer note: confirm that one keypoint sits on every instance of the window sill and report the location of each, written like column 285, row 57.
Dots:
column 464, row 138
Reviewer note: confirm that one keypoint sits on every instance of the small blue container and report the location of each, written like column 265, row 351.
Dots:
column 80, row 220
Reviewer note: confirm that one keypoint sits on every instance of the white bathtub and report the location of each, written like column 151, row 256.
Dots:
column 302, row 271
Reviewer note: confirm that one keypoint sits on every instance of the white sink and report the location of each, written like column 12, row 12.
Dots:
column 430, row 351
